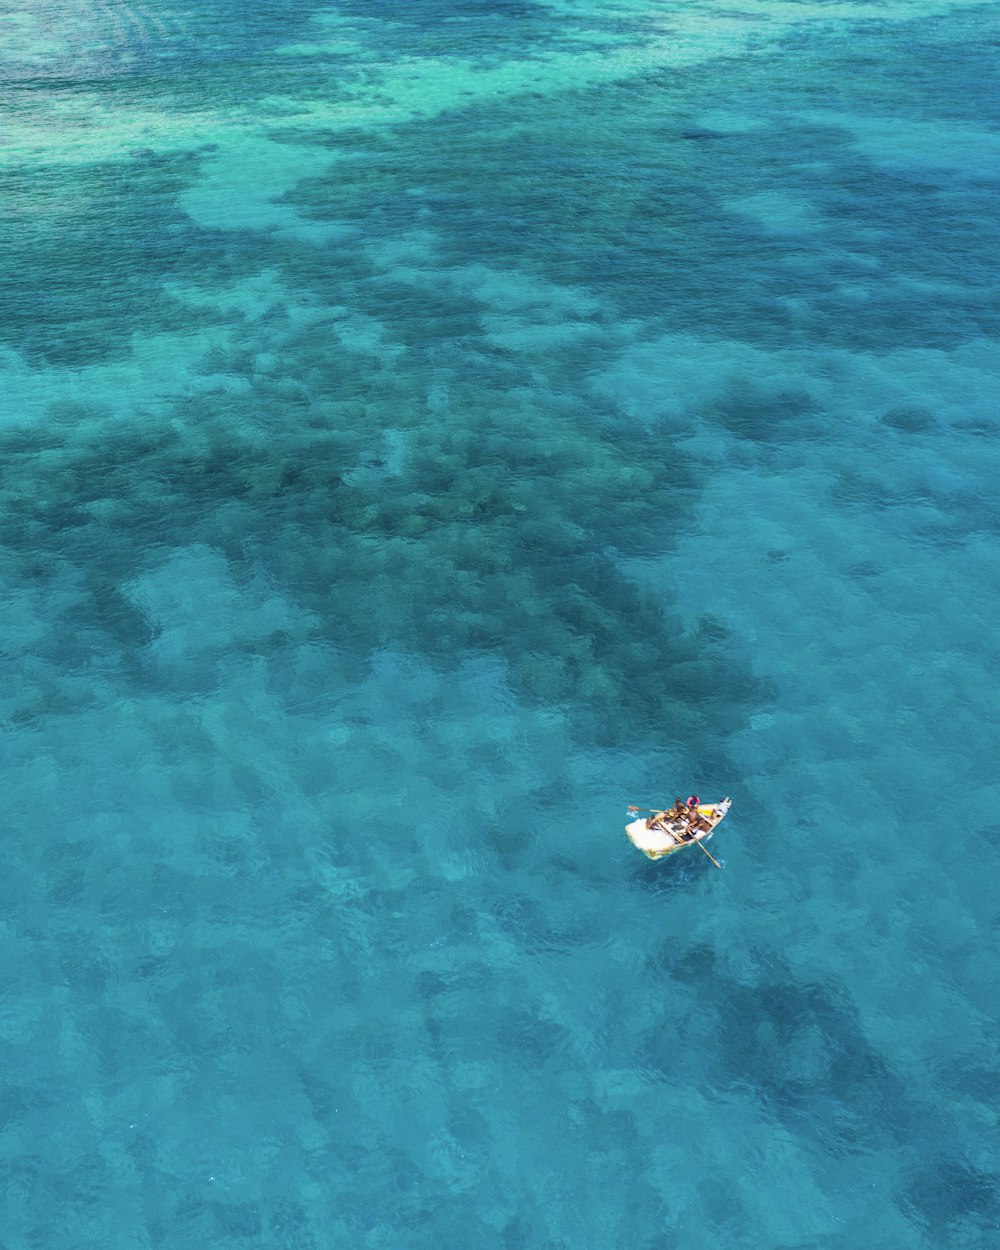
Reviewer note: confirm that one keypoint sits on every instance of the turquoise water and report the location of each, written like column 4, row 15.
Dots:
column 425, row 430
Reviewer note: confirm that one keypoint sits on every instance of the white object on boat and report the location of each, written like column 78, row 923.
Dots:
column 673, row 835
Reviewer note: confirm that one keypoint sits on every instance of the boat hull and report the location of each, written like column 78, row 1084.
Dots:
column 660, row 842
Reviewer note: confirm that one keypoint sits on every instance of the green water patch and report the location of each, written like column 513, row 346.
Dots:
column 490, row 524
column 401, row 427
column 831, row 242
column 80, row 282
column 803, row 1048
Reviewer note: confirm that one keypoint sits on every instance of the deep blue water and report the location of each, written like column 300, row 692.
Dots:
column 425, row 429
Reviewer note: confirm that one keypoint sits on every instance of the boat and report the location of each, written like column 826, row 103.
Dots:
column 666, row 832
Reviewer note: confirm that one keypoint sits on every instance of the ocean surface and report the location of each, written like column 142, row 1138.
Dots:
column 425, row 429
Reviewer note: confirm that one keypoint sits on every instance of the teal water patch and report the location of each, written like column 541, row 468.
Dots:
column 425, row 431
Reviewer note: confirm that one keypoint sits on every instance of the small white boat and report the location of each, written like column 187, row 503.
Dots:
column 663, row 833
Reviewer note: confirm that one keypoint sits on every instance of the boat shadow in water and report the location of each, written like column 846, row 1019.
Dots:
column 658, row 878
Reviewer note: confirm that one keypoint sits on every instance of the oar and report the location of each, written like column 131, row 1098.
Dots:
column 709, row 854
column 694, row 839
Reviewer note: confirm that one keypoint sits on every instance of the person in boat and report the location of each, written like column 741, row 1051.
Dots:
column 661, row 820
column 677, row 817
column 693, row 816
